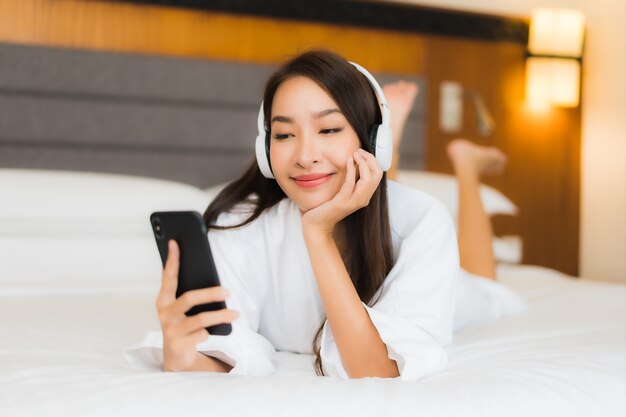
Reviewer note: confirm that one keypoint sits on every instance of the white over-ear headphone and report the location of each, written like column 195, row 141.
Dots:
column 380, row 135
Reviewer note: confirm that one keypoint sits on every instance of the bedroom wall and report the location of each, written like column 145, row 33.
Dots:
column 542, row 180
column 603, row 103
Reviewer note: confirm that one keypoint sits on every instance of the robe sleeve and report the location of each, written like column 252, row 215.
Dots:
column 414, row 314
column 244, row 349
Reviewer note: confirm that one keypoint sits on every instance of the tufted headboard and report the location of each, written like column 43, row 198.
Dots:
column 188, row 120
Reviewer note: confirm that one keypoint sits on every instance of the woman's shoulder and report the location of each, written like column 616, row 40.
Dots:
column 410, row 209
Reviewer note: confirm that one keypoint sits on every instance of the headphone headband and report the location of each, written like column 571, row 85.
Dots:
column 382, row 101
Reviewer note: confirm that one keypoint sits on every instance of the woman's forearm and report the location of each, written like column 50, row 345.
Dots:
column 362, row 351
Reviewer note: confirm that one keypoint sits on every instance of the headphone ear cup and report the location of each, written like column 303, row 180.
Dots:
column 261, row 147
column 383, row 147
column 374, row 137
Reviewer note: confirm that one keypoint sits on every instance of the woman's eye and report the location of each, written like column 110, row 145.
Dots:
column 329, row 131
column 280, row 136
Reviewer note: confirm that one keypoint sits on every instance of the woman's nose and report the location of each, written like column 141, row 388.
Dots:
column 308, row 152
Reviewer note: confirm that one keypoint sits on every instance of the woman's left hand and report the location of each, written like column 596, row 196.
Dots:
column 353, row 195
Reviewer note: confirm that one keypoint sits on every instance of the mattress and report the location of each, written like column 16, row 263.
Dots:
column 61, row 355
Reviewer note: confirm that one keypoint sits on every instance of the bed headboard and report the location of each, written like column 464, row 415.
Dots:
column 187, row 120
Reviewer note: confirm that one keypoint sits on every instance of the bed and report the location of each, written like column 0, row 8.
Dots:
column 62, row 356
column 79, row 270
column 69, row 306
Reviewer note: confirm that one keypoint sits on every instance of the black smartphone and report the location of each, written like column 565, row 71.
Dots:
column 197, row 268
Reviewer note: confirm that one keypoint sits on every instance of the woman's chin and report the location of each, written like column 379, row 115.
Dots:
column 309, row 199
column 309, row 203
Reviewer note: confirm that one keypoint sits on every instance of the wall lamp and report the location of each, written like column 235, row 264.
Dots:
column 555, row 47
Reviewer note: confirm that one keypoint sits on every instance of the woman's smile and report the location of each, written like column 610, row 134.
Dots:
column 312, row 180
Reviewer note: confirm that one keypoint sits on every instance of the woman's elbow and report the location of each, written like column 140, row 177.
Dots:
column 389, row 370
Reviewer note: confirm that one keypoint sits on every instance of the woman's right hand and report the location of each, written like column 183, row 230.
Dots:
column 182, row 333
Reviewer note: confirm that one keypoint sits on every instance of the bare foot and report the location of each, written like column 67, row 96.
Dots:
column 479, row 160
column 400, row 96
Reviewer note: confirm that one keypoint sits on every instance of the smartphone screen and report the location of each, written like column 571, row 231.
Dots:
column 197, row 267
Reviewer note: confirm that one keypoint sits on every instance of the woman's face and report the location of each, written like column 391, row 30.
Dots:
column 311, row 141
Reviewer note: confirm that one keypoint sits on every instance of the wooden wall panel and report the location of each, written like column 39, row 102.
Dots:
column 170, row 31
column 544, row 148
column 543, row 173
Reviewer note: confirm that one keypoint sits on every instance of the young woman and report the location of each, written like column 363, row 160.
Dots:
column 326, row 257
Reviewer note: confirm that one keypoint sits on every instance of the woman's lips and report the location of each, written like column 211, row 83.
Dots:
column 311, row 180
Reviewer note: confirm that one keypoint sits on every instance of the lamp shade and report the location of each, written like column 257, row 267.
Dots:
column 552, row 80
column 555, row 44
column 556, row 32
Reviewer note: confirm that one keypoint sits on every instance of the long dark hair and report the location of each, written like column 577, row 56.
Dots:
column 369, row 256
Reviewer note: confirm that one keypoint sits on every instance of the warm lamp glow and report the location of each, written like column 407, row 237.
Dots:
column 565, row 82
column 538, row 78
column 553, row 68
column 552, row 80
column 556, row 32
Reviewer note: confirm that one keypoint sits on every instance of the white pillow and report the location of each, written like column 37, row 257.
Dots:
column 39, row 202
column 68, row 229
column 508, row 249
column 445, row 188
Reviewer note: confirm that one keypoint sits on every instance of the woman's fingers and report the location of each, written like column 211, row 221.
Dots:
column 169, row 280
column 196, row 337
column 190, row 325
column 371, row 174
column 176, row 324
column 365, row 173
column 347, row 187
column 372, row 163
column 194, row 298
column 348, row 184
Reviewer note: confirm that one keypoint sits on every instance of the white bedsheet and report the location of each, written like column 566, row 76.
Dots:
column 61, row 355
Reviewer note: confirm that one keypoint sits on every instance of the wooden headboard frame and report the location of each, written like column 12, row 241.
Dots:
column 188, row 120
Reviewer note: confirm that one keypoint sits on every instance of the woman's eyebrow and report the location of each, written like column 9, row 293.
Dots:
column 283, row 119
column 326, row 112
column 318, row 115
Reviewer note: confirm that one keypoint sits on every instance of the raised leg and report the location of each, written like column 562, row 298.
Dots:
column 475, row 234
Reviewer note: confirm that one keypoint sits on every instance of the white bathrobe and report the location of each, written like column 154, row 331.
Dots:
column 266, row 267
